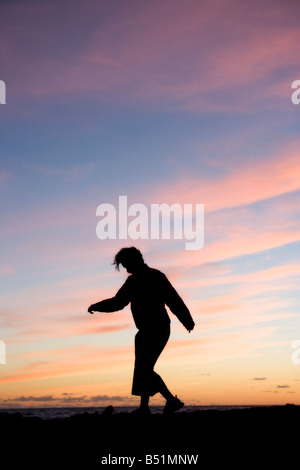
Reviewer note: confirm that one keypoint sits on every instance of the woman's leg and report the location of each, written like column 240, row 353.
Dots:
column 161, row 387
column 172, row 403
column 144, row 401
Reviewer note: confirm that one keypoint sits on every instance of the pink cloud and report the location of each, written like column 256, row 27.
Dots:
column 70, row 361
column 179, row 55
column 242, row 183
column 229, row 345
column 250, row 243
column 60, row 310
column 201, row 277
column 233, row 226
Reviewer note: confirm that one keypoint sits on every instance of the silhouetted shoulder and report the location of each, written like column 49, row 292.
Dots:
column 159, row 276
column 155, row 272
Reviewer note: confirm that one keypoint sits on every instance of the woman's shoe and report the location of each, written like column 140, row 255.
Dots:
column 173, row 405
column 141, row 412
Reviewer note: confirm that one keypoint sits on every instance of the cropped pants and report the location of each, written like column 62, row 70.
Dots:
column 148, row 346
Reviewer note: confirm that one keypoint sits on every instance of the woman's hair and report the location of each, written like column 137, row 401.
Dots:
column 131, row 255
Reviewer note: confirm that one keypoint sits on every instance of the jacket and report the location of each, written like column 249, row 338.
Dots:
column 149, row 291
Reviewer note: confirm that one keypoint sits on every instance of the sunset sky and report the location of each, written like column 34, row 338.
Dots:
column 163, row 101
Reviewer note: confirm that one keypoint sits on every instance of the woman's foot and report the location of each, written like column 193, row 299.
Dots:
column 172, row 405
column 142, row 411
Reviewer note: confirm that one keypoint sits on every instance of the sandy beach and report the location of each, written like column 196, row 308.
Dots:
column 203, row 438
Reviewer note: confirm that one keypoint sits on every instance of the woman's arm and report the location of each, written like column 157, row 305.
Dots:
column 118, row 302
column 177, row 306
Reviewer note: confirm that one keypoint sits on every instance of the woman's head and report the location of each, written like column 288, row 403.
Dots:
column 131, row 258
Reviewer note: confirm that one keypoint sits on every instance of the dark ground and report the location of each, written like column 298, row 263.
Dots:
column 245, row 438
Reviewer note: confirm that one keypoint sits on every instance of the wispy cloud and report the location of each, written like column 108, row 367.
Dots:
column 242, row 183
column 66, row 400
column 46, row 398
column 68, row 361
column 166, row 54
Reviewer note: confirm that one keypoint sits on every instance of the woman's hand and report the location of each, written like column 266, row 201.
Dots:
column 190, row 326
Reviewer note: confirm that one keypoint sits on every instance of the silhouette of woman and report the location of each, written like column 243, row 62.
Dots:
column 149, row 291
